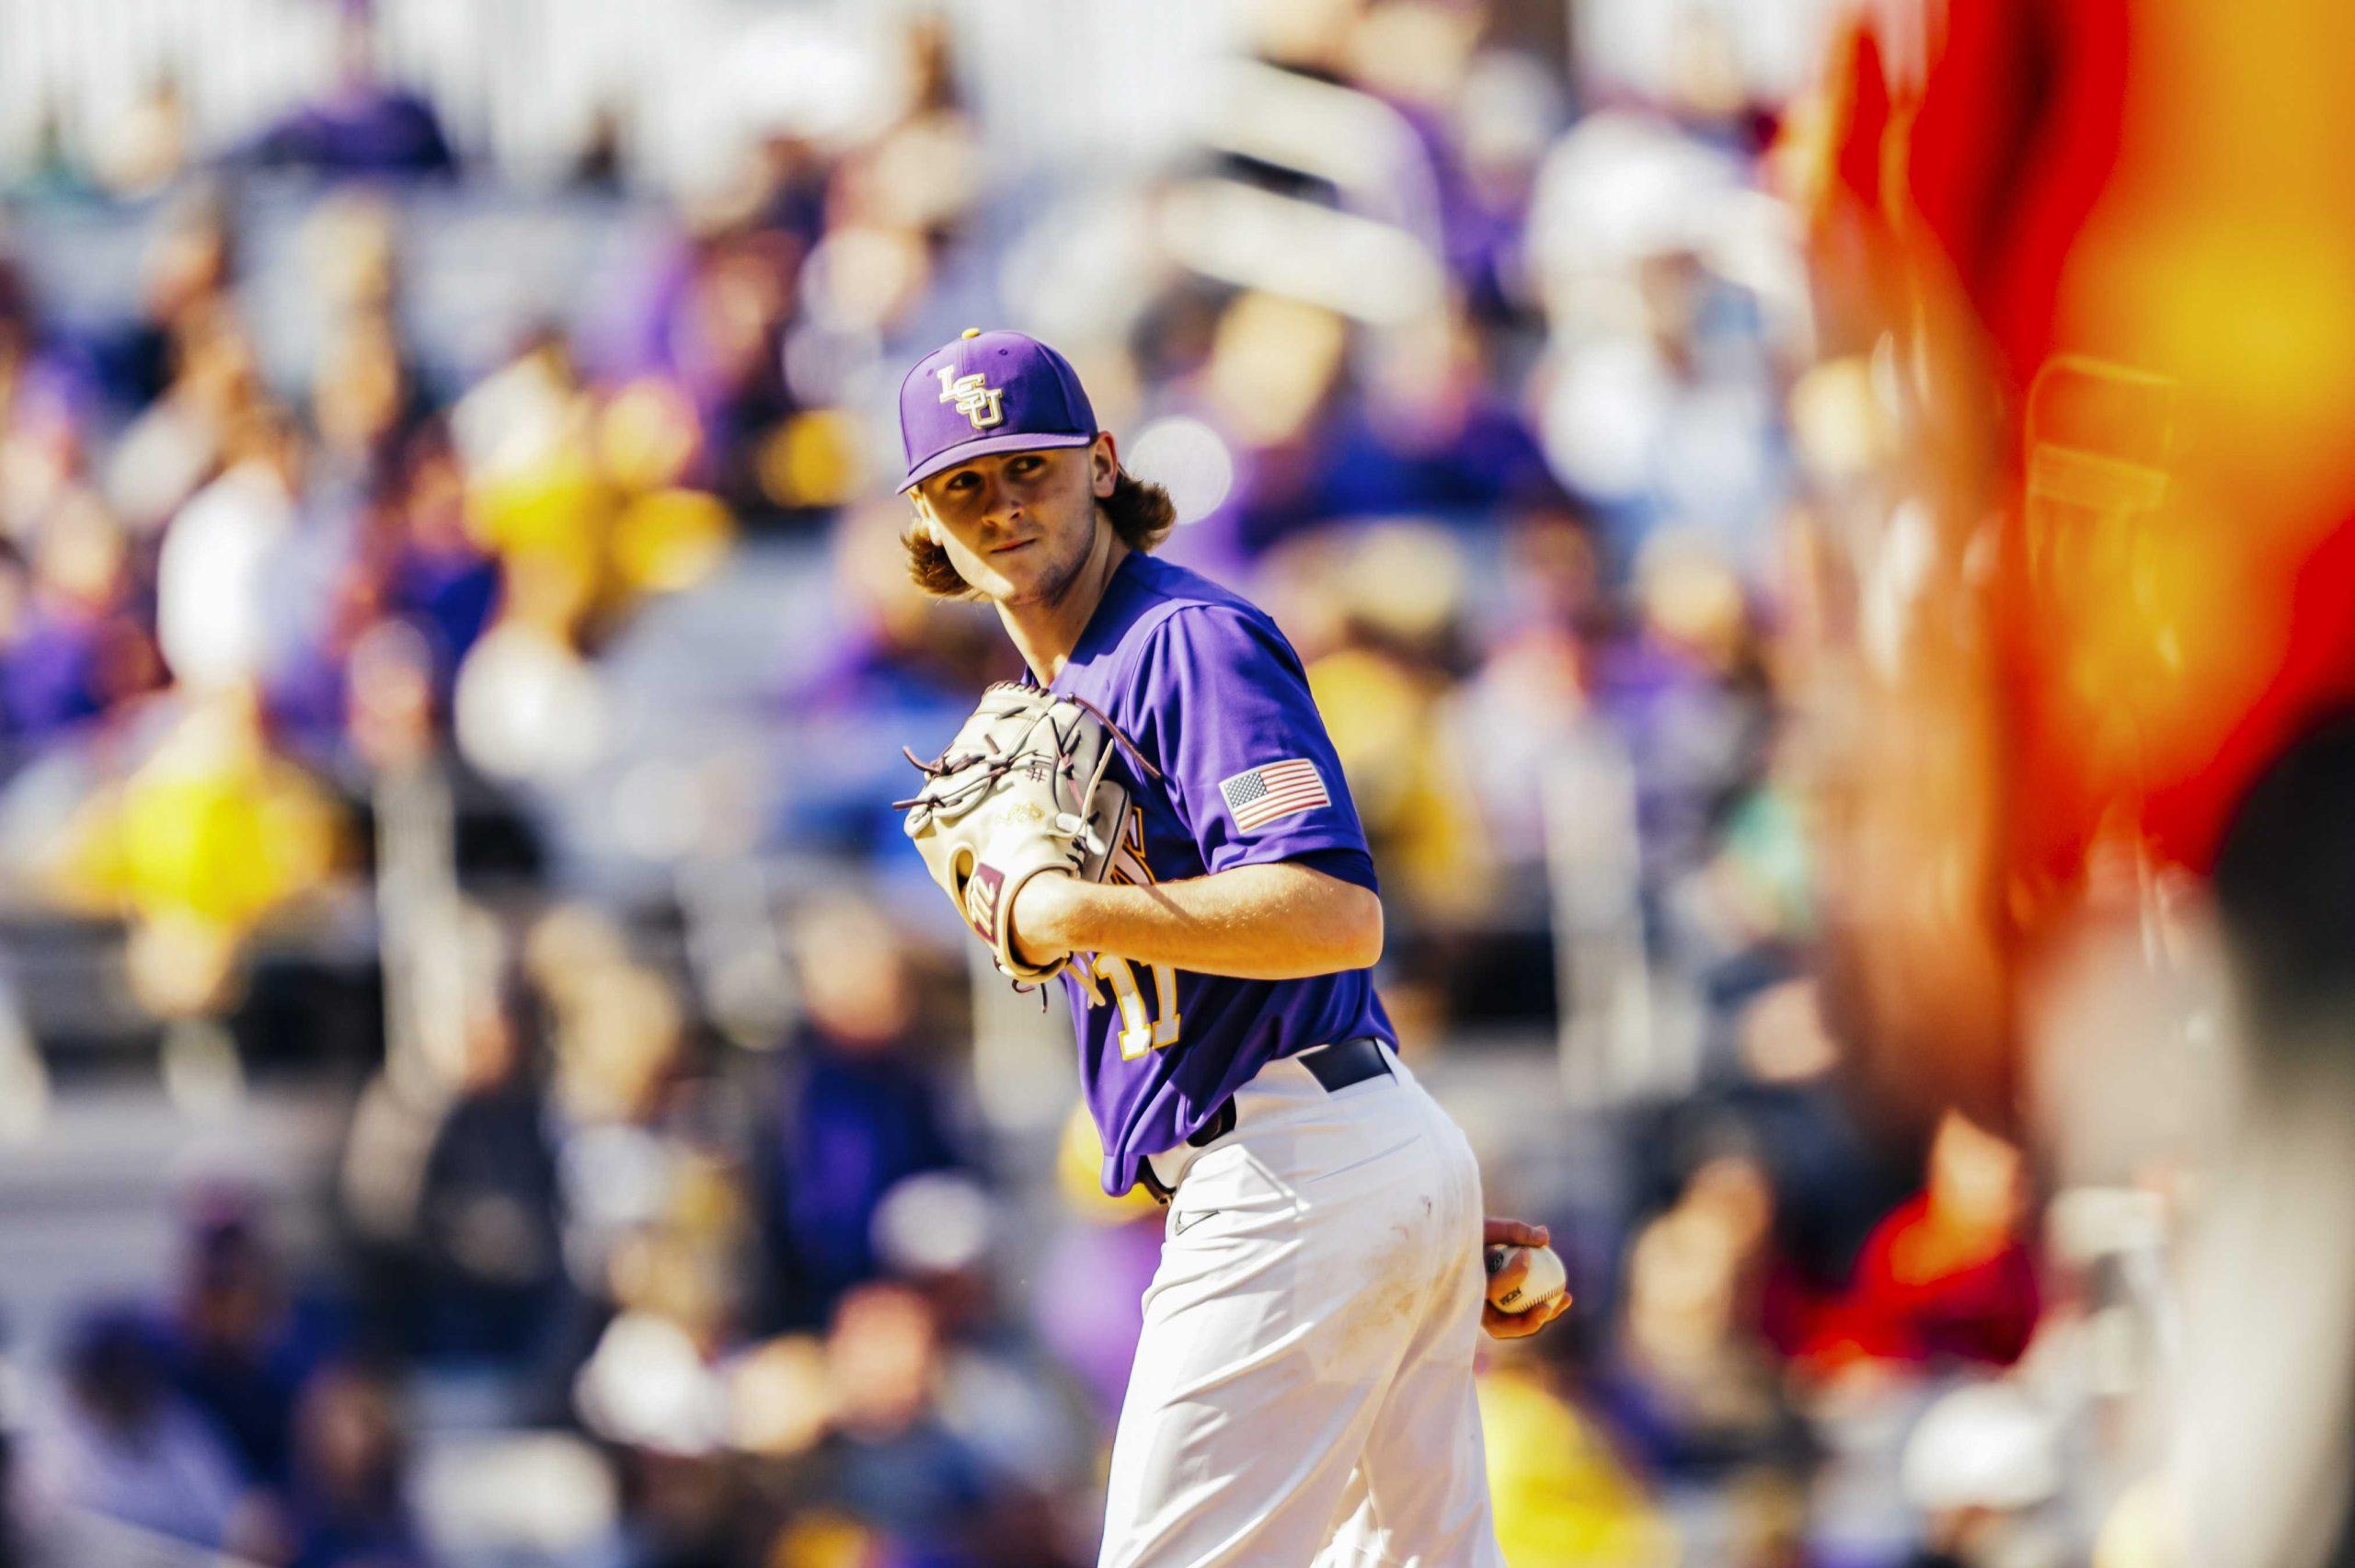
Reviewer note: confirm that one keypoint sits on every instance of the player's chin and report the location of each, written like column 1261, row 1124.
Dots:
column 995, row 584
column 1022, row 580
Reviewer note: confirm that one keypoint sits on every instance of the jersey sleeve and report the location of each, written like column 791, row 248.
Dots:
column 1223, row 706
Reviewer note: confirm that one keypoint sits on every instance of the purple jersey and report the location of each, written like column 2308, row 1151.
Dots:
column 1212, row 694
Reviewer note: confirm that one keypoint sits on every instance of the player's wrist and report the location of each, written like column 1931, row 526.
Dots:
column 1040, row 923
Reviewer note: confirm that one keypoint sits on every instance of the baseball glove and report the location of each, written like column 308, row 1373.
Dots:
column 1022, row 790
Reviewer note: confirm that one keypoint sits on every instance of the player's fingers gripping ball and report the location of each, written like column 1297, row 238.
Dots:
column 1522, row 1279
column 1021, row 792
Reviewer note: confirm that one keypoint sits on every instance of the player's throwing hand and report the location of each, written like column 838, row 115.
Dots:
column 1501, row 1284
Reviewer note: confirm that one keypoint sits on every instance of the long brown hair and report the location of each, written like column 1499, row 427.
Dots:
column 1140, row 513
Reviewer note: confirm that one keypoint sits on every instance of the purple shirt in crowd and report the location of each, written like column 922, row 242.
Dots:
column 1210, row 692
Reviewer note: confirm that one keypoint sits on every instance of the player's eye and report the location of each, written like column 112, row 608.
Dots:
column 1026, row 467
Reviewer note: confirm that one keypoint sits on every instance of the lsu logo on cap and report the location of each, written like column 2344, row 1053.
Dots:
column 975, row 398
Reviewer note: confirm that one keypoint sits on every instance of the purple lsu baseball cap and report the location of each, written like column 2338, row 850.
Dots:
column 989, row 392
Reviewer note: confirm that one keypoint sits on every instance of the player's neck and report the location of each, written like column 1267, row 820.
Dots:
column 1045, row 631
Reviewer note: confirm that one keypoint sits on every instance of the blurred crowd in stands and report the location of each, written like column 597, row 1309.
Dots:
column 410, row 711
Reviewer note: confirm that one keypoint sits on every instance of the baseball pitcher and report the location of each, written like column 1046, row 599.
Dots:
column 1157, row 818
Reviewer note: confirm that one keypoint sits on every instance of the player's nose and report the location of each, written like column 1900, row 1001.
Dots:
column 999, row 506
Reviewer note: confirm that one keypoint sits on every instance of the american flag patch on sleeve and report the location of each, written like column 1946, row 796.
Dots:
column 1273, row 790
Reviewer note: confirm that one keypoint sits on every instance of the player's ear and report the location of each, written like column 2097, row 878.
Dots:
column 1103, row 466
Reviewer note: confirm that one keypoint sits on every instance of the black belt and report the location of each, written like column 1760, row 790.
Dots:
column 1348, row 1061
column 1336, row 1067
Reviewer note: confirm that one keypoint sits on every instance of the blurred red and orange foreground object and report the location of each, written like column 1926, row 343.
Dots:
column 2085, row 359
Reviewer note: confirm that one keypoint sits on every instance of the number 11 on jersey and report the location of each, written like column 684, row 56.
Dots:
column 1140, row 1031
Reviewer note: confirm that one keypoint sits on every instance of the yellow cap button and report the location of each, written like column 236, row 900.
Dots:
column 972, row 332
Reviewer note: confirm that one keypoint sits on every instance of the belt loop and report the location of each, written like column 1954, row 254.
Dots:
column 1151, row 1179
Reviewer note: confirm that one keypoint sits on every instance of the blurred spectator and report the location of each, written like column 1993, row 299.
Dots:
column 1522, row 708
column 201, row 844
column 888, row 1457
column 177, row 443
column 1562, row 1497
column 587, row 504
column 1983, row 1463
column 658, row 1385
column 1656, row 405
column 189, row 269
column 430, row 572
column 1267, row 391
column 363, row 399
column 219, row 589
column 490, row 1212
column 859, row 1109
column 685, row 1511
column 145, row 148
column 1686, row 694
column 1948, row 1276
column 1002, row 1392
column 120, row 1444
column 212, row 834
column 719, row 351
column 239, row 1348
column 1429, row 431
column 347, row 1507
column 620, row 1092
column 896, row 202
column 1383, row 646
column 76, row 647
column 361, row 125
column 1701, row 1391
column 45, row 416
column 397, row 553
column 1787, row 1108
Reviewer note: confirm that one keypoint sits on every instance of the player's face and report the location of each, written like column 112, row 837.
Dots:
column 1019, row 525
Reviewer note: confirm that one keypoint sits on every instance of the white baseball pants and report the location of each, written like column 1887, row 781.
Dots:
column 1302, row 1387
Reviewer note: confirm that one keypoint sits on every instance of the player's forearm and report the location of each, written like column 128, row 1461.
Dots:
column 1255, row 922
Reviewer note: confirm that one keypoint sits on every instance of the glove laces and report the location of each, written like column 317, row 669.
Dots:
column 985, row 769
